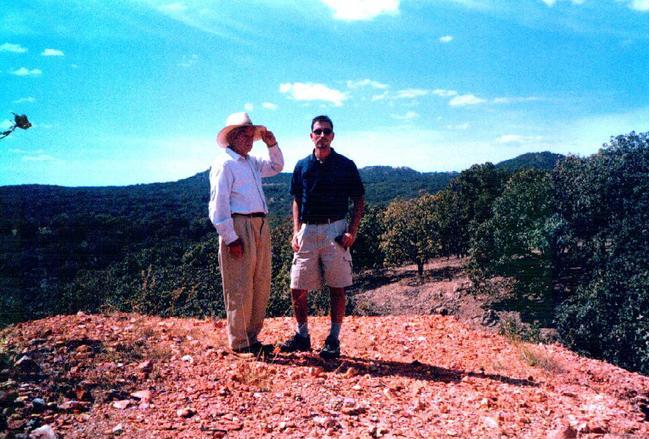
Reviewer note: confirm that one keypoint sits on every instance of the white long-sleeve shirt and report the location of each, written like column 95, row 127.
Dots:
column 235, row 187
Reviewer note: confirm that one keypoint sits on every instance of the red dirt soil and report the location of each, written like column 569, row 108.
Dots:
column 399, row 376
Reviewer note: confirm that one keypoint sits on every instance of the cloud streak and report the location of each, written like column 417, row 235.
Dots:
column 13, row 48
column 410, row 115
column 24, row 71
column 362, row 10
column 25, row 100
column 52, row 52
column 517, row 139
column 639, row 5
column 306, row 91
column 366, row 83
column 464, row 100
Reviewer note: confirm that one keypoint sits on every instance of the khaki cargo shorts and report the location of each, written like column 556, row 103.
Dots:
column 320, row 258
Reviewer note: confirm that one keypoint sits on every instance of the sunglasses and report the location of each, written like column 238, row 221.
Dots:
column 325, row 131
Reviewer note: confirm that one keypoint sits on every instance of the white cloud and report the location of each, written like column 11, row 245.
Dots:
column 639, row 5
column 14, row 48
column 444, row 93
column 553, row 2
column 32, row 156
column 362, row 9
column 410, row 115
column 515, row 100
column 269, row 106
column 301, row 91
column 517, row 139
column 380, row 97
column 248, row 106
column 474, row 4
column 366, row 83
column 411, row 93
column 461, row 126
column 459, row 101
column 188, row 61
column 173, row 8
column 23, row 71
column 26, row 100
column 446, row 39
column 52, row 52
column 38, row 158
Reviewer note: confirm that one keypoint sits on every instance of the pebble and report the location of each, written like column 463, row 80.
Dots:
column 185, row 412
column 122, row 404
column 44, row 432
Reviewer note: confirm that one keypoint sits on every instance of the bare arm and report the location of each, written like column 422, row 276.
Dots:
column 296, row 225
column 275, row 162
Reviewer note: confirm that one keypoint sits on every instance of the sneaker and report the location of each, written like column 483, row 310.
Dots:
column 331, row 348
column 296, row 343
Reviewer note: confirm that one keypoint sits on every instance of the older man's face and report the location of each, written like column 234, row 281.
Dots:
column 241, row 139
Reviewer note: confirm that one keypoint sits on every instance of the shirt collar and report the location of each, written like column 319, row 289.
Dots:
column 232, row 153
column 315, row 159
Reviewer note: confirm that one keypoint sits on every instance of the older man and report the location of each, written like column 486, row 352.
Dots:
column 322, row 185
column 238, row 210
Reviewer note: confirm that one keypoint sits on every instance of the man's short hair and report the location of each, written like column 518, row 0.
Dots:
column 322, row 118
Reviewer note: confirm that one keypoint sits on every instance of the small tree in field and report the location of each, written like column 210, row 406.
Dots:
column 410, row 232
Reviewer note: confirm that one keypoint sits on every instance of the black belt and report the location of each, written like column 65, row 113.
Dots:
column 321, row 220
column 251, row 215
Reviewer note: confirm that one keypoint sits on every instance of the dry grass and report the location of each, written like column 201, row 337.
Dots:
column 537, row 356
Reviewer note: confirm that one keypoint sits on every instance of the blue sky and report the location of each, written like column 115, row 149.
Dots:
column 134, row 91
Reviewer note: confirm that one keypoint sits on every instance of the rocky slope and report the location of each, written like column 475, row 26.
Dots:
column 90, row 376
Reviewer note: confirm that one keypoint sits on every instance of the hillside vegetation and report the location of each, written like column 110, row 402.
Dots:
column 570, row 242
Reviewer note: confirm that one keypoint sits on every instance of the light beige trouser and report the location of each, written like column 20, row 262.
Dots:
column 246, row 281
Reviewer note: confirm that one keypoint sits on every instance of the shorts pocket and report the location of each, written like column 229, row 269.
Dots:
column 347, row 257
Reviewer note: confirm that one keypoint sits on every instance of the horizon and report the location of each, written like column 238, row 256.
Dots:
column 135, row 91
column 288, row 172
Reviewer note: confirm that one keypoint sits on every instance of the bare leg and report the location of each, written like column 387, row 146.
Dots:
column 337, row 304
column 300, row 306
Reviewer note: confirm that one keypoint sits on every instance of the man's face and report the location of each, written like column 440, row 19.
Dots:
column 322, row 135
column 241, row 139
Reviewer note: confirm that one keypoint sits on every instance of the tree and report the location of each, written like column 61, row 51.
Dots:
column 603, row 202
column 448, row 222
column 519, row 240
column 476, row 189
column 367, row 252
column 411, row 235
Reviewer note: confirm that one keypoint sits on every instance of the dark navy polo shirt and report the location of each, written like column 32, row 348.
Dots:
column 323, row 189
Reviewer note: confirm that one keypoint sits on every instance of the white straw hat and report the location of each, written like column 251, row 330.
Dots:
column 233, row 121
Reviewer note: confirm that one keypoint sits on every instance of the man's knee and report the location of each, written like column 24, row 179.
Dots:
column 298, row 295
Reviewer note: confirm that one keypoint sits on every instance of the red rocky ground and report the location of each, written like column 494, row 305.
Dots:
column 92, row 376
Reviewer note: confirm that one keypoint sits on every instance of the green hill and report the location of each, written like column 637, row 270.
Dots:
column 539, row 160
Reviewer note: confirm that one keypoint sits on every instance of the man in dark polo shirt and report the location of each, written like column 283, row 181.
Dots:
column 322, row 185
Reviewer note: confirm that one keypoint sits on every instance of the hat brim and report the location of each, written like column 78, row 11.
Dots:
column 222, row 137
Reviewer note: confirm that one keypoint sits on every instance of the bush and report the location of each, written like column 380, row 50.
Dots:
column 604, row 203
column 609, row 317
